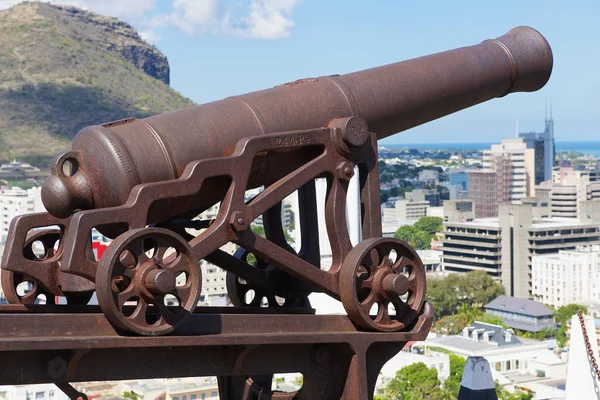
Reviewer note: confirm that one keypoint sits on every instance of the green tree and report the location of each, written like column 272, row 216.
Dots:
column 475, row 288
column 130, row 395
column 504, row 394
column 414, row 382
column 443, row 294
column 561, row 316
column 564, row 313
column 430, row 225
column 479, row 288
column 561, row 335
column 466, row 315
column 417, row 239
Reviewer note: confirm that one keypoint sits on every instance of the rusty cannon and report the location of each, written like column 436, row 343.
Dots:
column 143, row 183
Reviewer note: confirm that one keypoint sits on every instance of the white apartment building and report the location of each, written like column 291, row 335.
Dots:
column 214, row 288
column 406, row 211
column 17, row 201
column 46, row 391
column 514, row 165
column 566, row 277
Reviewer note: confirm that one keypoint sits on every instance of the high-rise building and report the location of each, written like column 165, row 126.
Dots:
column 504, row 246
column 543, row 144
column 514, row 164
column 483, row 193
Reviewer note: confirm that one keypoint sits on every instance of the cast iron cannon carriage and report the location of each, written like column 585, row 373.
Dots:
column 143, row 182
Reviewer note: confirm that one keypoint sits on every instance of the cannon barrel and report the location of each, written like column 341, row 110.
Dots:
column 111, row 159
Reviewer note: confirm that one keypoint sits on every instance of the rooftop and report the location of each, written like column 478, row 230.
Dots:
column 479, row 337
column 519, row 306
column 541, row 223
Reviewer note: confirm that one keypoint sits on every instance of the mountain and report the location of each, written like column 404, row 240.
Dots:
column 63, row 68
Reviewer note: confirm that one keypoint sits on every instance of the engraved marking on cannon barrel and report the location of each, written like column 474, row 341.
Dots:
column 287, row 141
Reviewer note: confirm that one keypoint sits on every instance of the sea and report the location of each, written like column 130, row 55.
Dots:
column 587, row 148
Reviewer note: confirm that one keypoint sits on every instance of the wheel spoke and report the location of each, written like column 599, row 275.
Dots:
column 29, row 297
column 413, row 282
column 383, row 317
column 160, row 253
column 367, row 303
column 139, row 314
column 364, row 283
column 183, row 292
column 178, row 265
column 129, row 272
column 125, row 295
column 400, row 263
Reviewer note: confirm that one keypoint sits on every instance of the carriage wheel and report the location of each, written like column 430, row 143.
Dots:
column 382, row 284
column 149, row 268
column 243, row 293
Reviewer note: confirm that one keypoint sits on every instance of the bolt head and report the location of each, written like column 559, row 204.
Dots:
column 57, row 367
column 345, row 170
column 239, row 221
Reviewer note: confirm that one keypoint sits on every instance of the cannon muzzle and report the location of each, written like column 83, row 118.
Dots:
column 108, row 160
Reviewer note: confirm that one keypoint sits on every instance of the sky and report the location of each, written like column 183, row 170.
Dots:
column 219, row 48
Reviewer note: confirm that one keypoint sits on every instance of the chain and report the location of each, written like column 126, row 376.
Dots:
column 588, row 345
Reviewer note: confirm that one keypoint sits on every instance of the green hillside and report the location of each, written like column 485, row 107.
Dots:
column 62, row 68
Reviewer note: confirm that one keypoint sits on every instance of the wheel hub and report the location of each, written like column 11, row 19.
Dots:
column 159, row 281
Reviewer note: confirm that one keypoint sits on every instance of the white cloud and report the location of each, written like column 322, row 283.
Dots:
column 262, row 19
column 269, row 19
column 150, row 36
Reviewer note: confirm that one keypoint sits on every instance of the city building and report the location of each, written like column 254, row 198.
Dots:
column 46, row 391
column 458, row 211
column 429, row 176
column 472, row 245
column 569, row 188
column 431, row 259
column 543, row 145
column 514, row 165
column 406, row 211
column 567, row 277
column 506, row 353
column 203, row 388
column 435, row 212
column 459, row 176
column 540, row 207
column 17, row 201
column 504, row 246
column 482, row 191
column 16, row 170
column 433, row 197
column 214, row 287
column 522, row 314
